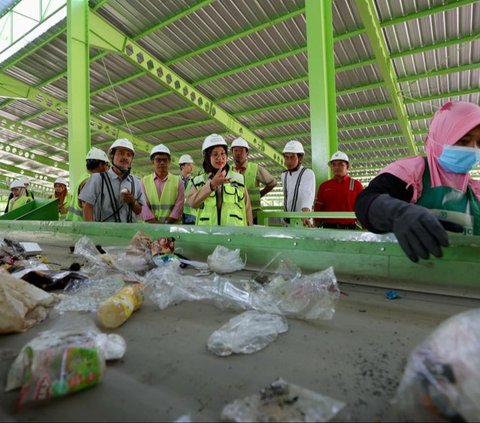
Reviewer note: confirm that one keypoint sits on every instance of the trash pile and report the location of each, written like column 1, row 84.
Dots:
column 440, row 382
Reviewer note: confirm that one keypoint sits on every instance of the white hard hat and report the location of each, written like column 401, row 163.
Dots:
column 185, row 158
column 61, row 180
column 339, row 155
column 159, row 149
column 213, row 140
column 24, row 179
column 17, row 183
column 122, row 142
column 293, row 146
column 97, row 154
column 240, row 142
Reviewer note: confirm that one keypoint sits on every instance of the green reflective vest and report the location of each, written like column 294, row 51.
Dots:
column 187, row 210
column 161, row 206
column 232, row 212
column 451, row 204
column 75, row 212
column 251, row 184
column 19, row 202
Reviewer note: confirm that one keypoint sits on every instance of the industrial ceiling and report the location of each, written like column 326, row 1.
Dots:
column 249, row 59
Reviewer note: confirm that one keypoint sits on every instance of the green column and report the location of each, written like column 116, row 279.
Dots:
column 78, row 87
column 321, row 80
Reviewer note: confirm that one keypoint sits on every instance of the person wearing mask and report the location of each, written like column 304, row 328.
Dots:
column 164, row 192
column 420, row 198
column 186, row 170
column 28, row 193
column 255, row 175
column 18, row 196
column 96, row 161
column 219, row 194
column 338, row 194
column 298, row 182
column 60, row 192
column 115, row 195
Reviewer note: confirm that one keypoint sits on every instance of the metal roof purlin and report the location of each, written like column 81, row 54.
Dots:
column 49, row 102
column 34, row 134
column 121, row 43
column 28, row 155
column 367, row 12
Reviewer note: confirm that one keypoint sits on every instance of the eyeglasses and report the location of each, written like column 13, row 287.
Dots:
column 217, row 155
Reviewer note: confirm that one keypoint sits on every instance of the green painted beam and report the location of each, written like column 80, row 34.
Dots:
column 455, row 4
column 30, row 173
column 21, row 90
column 140, row 57
column 439, row 72
column 27, row 155
column 440, row 96
column 321, row 85
column 78, row 79
column 367, row 10
column 34, row 134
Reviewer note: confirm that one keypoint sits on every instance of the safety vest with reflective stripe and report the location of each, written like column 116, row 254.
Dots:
column 233, row 211
column 251, row 184
column 161, row 206
column 19, row 202
column 75, row 212
column 187, row 210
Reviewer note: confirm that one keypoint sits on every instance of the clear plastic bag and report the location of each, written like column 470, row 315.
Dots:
column 442, row 378
column 246, row 333
column 282, row 402
column 303, row 297
column 224, row 260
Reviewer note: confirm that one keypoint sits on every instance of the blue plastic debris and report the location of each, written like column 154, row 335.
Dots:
column 392, row 295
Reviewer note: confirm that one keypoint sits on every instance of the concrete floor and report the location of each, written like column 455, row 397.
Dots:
column 358, row 357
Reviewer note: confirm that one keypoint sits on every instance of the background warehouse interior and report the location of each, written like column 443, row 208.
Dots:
column 249, row 59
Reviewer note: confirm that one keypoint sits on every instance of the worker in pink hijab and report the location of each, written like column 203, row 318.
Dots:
column 419, row 198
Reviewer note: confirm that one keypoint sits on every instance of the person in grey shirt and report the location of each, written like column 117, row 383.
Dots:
column 114, row 196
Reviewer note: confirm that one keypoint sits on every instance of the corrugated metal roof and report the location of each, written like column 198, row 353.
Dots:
column 250, row 58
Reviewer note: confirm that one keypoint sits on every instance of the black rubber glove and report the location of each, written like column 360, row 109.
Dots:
column 418, row 231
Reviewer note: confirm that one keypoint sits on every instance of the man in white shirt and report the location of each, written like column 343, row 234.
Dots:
column 298, row 182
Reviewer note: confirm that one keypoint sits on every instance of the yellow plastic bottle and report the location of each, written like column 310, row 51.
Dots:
column 115, row 311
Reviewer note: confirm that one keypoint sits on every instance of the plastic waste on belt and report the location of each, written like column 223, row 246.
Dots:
column 22, row 305
column 441, row 381
column 113, row 347
column 224, row 260
column 282, row 401
column 62, row 362
column 246, row 333
column 115, row 311
column 303, row 297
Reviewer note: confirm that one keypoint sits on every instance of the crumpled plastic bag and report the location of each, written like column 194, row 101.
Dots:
column 224, row 260
column 246, row 333
column 308, row 297
column 442, row 379
column 135, row 258
column 112, row 346
column 282, row 401
column 22, row 305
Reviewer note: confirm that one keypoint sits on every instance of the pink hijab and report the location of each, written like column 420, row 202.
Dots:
column 447, row 126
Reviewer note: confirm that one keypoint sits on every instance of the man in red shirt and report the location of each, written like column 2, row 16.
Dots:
column 338, row 194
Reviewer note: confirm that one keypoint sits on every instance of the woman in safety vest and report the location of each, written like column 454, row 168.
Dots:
column 219, row 194
column 418, row 198
column 19, row 196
